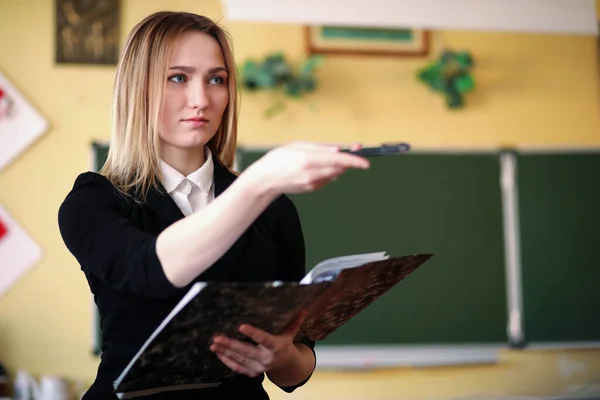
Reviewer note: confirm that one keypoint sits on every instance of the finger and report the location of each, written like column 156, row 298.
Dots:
column 338, row 159
column 245, row 349
column 256, row 364
column 350, row 161
column 318, row 184
column 328, row 173
column 355, row 147
column 261, row 337
column 312, row 146
column 320, row 146
column 323, row 177
column 295, row 325
column 234, row 355
column 237, row 367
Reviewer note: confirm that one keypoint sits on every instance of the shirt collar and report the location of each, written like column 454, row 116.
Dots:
column 202, row 177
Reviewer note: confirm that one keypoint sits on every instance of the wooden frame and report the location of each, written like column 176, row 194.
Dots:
column 367, row 41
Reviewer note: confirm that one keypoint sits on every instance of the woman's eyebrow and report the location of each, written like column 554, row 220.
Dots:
column 217, row 69
column 193, row 69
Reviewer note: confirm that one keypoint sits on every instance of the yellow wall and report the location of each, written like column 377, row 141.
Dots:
column 533, row 90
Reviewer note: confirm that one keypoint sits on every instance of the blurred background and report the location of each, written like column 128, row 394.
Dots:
column 500, row 103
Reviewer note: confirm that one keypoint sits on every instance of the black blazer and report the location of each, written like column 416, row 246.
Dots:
column 113, row 238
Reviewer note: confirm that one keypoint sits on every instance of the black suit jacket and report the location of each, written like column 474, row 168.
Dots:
column 113, row 237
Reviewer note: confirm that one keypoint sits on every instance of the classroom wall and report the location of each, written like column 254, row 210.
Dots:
column 533, row 90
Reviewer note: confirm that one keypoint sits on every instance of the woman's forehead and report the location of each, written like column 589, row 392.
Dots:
column 198, row 50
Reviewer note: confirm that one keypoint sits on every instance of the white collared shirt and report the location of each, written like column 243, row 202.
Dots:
column 191, row 192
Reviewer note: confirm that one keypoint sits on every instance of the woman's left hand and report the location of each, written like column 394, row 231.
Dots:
column 252, row 360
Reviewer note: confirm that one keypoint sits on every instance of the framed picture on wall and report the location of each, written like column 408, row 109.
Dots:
column 19, row 252
column 21, row 124
column 87, row 32
column 367, row 41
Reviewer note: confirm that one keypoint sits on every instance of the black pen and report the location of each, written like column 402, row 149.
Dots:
column 384, row 149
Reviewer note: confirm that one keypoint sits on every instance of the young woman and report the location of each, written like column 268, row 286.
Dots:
column 166, row 210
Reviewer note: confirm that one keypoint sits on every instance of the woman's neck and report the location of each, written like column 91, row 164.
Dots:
column 185, row 161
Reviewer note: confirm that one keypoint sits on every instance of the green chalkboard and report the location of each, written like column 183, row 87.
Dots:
column 449, row 204
column 446, row 204
column 559, row 207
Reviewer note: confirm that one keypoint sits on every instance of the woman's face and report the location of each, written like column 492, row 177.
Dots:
column 196, row 93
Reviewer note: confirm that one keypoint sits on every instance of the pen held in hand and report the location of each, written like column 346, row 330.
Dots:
column 384, row 149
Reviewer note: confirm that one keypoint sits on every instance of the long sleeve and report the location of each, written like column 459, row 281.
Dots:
column 106, row 243
column 291, row 257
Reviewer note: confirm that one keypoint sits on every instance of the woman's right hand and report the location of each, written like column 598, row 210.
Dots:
column 191, row 245
column 302, row 167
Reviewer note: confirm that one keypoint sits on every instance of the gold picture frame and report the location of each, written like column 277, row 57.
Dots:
column 367, row 41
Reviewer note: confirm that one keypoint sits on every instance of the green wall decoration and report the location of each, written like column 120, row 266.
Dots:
column 276, row 73
column 450, row 75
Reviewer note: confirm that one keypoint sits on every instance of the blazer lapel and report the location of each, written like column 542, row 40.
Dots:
column 224, row 268
column 223, row 177
column 160, row 201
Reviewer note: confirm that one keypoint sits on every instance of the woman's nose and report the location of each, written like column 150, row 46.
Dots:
column 198, row 98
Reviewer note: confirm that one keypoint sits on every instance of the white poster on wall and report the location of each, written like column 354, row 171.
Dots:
column 20, row 123
column 18, row 251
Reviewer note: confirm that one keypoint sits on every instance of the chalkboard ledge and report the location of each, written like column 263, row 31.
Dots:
column 389, row 356
column 583, row 345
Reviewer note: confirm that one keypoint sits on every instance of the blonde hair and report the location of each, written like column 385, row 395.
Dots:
column 132, row 164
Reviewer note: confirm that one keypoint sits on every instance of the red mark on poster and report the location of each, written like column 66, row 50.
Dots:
column 3, row 229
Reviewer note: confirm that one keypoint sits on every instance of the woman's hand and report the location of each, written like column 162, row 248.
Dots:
column 252, row 360
column 302, row 167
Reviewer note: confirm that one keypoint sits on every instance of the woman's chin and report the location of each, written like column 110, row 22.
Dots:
column 193, row 146
column 193, row 142
column 187, row 140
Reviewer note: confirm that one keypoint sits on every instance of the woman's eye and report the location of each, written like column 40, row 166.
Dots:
column 216, row 80
column 177, row 78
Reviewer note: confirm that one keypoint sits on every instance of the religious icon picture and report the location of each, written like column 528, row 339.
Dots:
column 87, row 31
